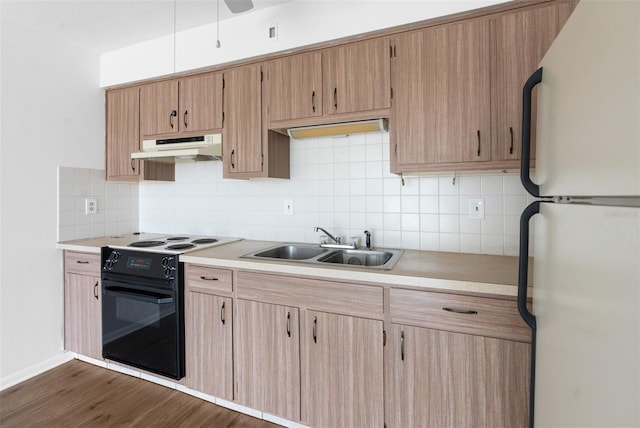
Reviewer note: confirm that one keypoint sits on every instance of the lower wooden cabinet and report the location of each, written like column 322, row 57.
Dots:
column 342, row 382
column 268, row 358
column 82, row 304
column 438, row 378
column 83, row 315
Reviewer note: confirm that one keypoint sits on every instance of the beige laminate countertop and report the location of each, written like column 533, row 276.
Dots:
column 431, row 270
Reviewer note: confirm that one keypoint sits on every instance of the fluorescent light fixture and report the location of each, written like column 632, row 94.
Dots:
column 338, row 129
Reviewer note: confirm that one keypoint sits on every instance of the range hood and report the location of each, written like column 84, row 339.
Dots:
column 338, row 129
column 183, row 149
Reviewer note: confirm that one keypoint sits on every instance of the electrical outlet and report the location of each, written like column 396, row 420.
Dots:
column 287, row 208
column 476, row 209
column 90, row 206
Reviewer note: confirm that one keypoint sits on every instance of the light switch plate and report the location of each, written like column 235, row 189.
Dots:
column 476, row 209
column 90, row 206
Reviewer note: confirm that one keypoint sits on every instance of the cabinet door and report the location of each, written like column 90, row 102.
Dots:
column 242, row 131
column 444, row 379
column 342, row 371
column 208, row 341
column 357, row 77
column 522, row 39
column 83, row 315
column 295, row 87
column 122, row 133
column 159, row 108
column 268, row 358
column 441, row 96
column 201, row 103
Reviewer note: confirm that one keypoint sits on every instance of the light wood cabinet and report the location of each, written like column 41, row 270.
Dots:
column 455, row 360
column 268, row 363
column 209, row 325
column 82, row 304
column 357, row 77
column 123, row 138
column 314, row 333
column 342, row 371
column 295, row 86
column 187, row 105
column 521, row 40
column 441, row 96
column 250, row 149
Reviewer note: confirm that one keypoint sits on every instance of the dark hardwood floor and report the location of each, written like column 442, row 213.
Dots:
column 78, row 394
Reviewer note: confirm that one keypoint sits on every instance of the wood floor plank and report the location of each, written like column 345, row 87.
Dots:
column 78, row 394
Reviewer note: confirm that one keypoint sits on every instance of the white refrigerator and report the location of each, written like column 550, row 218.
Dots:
column 585, row 237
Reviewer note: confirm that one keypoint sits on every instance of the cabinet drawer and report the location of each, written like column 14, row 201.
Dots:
column 320, row 295
column 464, row 314
column 82, row 263
column 208, row 279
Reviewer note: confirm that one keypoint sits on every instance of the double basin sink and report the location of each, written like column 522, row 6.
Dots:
column 313, row 254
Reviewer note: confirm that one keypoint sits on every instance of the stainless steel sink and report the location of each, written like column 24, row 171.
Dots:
column 291, row 252
column 383, row 259
column 358, row 257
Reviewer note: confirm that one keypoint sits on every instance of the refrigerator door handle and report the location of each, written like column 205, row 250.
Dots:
column 527, row 316
column 525, row 160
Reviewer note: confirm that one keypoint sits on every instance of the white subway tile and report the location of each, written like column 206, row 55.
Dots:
column 469, row 226
column 429, row 241
column 449, row 223
column 470, row 243
column 492, row 225
column 410, row 240
column 491, row 185
column 429, row 223
column 450, row 242
column 492, row 244
column 469, row 185
column 410, row 222
column 449, row 204
column 392, row 222
column 392, row 204
column 429, row 205
column 410, row 204
column 446, row 185
column 429, row 185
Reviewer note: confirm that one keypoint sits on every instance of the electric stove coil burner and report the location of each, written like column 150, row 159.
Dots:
column 146, row 244
column 178, row 238
column 180, row 246
column 204, row 241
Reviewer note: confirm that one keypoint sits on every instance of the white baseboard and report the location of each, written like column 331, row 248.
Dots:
column 29, row 372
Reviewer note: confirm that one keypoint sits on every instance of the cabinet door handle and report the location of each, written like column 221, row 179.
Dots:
column 95, row 291
column 402, row 345
column 208, row 278
column 82, row 262
column 313, row 101
column 184, row 118
column 233, row 165
column 511, row 145
column 289, row 324
column 460, row 311
column 171, row 116
column 478, row 142
column 335, row 98
column 133, row 165
column 315, row 329
column 222, row 315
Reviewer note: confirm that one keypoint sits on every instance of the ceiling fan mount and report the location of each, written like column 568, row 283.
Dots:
column 238, row 6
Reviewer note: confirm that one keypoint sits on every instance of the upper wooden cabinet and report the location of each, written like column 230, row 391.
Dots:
column 191, row 104
column 357, row 77
column 343, row 83
column 123, row 138
column 441, row 96
column 295, row 86
column 522, row 39
column 250, row 149
column 457, row 89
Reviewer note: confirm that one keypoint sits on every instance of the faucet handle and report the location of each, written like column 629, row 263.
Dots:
column 368, row 239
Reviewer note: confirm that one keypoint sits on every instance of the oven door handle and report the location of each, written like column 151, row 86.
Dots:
column 142, row 296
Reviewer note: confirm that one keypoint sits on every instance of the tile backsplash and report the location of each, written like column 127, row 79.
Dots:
column 117, row 204
column 341, row 184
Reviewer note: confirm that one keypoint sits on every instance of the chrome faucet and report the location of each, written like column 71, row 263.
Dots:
column 337, row 240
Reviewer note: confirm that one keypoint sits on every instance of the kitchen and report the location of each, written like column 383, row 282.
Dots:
column 393, row 203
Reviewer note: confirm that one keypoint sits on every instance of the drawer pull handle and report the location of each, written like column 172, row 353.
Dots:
column 460, row 311
column 288, row 324
column 82, row 262
column 402, row 345
column 208, row 278
column 315, row 329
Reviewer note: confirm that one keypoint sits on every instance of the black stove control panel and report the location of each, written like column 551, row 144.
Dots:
column 137, row 263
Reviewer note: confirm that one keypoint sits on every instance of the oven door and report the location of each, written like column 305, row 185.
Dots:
column 141, row 327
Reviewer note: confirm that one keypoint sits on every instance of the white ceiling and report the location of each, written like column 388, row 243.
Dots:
column 107, row 25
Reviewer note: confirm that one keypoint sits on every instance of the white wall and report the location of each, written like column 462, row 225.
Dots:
column 299, row 23
column 52, row 114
